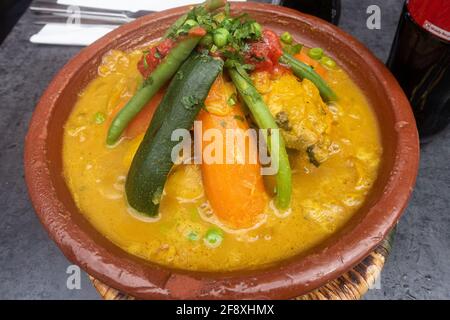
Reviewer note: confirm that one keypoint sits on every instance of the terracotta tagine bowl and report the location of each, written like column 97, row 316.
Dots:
column 86, row 247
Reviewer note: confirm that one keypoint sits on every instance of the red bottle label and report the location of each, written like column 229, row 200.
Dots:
column 432, row 15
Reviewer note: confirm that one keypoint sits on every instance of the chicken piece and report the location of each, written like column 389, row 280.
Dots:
column 304, row 119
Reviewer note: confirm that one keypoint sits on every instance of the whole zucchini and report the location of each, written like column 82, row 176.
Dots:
column 178, row 109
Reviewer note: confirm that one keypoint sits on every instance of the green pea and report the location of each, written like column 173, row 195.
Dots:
column 293, row 49
column 207, row 41
column 219, row 17
column 227, row 23
column 191, row 23
column 193, row 236
column 221, row 37
column 315, row 53
column 213, row 237
column 257, row 29
column 99, row 117
column 231, row 101
column 213, row 48
column 328, row 62
column 286, row 38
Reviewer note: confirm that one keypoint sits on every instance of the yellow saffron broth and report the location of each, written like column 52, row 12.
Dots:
column 324, row 198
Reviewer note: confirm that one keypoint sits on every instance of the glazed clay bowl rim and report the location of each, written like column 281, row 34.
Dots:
column 83, row 245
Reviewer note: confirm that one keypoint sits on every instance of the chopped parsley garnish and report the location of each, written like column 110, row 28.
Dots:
column 157, row 195
column 145, row 59
column 293, row 49
column 232, row 100
column 193, row 236
column 99, row 117
column 240, row 31
column 190, row 101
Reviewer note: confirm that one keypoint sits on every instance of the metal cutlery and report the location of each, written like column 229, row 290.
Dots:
column 43, row 19
column 52, row 12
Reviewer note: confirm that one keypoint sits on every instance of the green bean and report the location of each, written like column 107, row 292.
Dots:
column 163, row 72
column 302, row 70
column 209, row 5
column 265, row 120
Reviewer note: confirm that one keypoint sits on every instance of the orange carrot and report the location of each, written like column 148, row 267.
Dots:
column 235, row 191
column 141, row 122
column 303, row 57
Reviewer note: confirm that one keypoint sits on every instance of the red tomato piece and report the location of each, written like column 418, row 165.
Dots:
column 165, row 46
column 197, row 32
column 153, row 57
column 272, row 41
column 264, row 54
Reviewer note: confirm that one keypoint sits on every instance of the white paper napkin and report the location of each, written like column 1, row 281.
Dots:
column 83, row 35
column 70, row 35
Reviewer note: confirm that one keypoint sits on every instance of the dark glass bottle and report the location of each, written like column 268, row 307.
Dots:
column 420, row 60
column 328, row 10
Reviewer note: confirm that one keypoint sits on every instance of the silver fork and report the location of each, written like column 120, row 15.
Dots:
column 46, row 8
column 62, row 18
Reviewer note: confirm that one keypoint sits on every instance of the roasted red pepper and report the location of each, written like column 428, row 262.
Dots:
column 264, row 54
column 152, row 57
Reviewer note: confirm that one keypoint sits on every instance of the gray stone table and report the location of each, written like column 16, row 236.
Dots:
column 32, row 267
